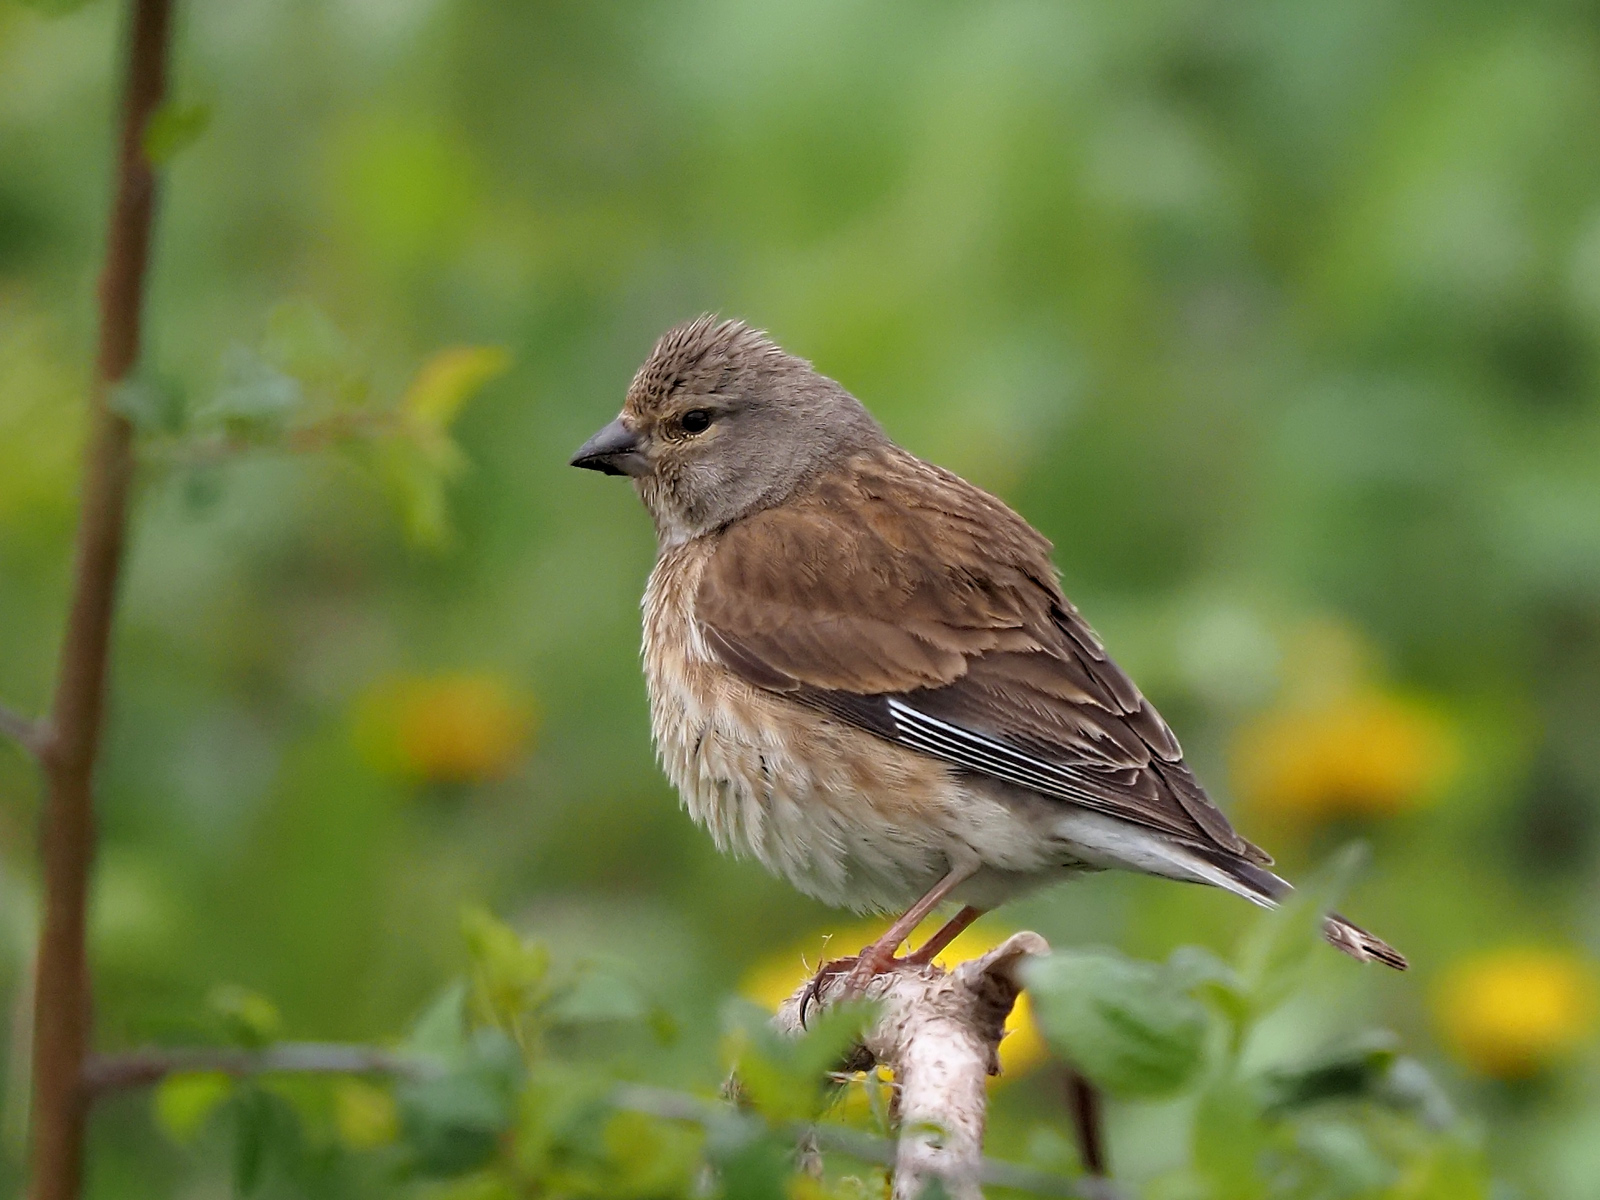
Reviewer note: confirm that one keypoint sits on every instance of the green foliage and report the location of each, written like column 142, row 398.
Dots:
column 184, row 1102
column 173, row 128
column 1128, row 1026
column 789, row 1078
column 1355, row 1119
column 305, row 388
column 498, row 1100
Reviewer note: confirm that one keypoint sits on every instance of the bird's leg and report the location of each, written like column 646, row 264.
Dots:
column 948, row 932
column 879, row 956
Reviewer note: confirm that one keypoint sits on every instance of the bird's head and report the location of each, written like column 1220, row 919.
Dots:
column 719, row 423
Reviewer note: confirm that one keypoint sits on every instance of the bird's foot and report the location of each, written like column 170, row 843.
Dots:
column 859, row 971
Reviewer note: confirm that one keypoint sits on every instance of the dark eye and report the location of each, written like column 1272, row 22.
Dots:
column 696, row 420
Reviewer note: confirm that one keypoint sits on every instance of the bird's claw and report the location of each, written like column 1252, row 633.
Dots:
column 859, row 971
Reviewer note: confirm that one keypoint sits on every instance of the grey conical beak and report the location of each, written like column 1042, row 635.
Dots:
column 612, row 451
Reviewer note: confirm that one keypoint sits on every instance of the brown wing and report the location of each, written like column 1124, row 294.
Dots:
column 902, row 599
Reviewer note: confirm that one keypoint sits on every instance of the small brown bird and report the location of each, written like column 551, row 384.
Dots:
column 863, row 671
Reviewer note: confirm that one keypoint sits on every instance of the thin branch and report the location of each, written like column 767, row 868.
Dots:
column 62, row 991
column 222, row 446
column 27, row 733
column 141, row 1068
column 864, row 1147
column 1088, row 1122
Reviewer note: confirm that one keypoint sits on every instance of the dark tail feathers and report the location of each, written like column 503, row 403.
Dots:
column 1359, row 944
column 1342, row 934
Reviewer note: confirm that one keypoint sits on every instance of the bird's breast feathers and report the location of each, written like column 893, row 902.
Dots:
column 843, row 815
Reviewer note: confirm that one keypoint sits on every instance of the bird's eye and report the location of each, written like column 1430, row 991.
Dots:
column 696, row 420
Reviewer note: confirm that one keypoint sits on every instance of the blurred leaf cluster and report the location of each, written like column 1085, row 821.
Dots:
column 514, row 1088
column 1356, row 1118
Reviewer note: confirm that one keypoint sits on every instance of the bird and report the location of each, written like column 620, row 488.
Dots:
column 863, row 671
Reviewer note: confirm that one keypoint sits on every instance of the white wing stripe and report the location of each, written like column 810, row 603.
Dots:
column 964, row 747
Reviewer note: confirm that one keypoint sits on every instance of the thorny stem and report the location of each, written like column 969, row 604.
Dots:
column 68, row 753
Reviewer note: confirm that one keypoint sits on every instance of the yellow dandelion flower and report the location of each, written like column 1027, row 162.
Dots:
column 1362, row 755
column 1511, row 1012
column 455, row 728
column 774, row 980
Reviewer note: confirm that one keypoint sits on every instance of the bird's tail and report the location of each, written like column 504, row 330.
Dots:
column 1359, row 944
column 1261, row 886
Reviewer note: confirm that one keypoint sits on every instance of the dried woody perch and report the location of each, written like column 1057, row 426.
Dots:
column 940, row 1034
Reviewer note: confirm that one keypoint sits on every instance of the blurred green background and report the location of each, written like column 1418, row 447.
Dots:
column 1280, row 318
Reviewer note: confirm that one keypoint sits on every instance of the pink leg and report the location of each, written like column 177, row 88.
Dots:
column 879, row 956
column 948, row 932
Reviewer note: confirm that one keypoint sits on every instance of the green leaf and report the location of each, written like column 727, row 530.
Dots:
column 1230, row 1137
column 448, row 380
column 250, row 1141
column 1205, row 976
column 183, row 1103
column 441, row 1031
column 1345, row 1156
column 452, row 1122
column 752, row 1165
column 788, row 1078
column 1127, row 1025
column 172, row 128
column 247, row 1018
column 148, row 406
column 510, row 977
column 1410, row 1087
column 646, row 1157
column 266, row 1129
column 1354, row 1070
column 302, row 342
column 599, row 994
column 253, row 391
column 416, row 478
column 1274, row 953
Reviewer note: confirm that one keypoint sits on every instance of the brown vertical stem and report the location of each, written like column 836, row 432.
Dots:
column 1088, row 1123
column 71, row 742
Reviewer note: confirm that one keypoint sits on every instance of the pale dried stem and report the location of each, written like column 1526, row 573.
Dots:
column 940, row 1034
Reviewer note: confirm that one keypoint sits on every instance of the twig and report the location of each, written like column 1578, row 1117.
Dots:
column 839, row 1139
column 62, row 990
column 1088, row 1122
column 140, row 1068
column 223, row 446
column 28, row 734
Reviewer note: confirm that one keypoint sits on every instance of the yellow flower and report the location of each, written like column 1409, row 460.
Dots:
column 774, row 980
column 1361, row 754
column 454, row 728
column 1510, row 1012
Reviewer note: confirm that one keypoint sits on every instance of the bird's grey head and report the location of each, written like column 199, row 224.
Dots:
column 720, row 423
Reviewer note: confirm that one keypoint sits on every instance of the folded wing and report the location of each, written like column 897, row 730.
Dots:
column 903, row 600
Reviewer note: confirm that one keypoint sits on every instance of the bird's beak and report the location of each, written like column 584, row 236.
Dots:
column 612, row 451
